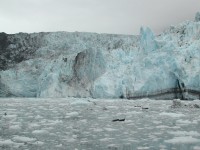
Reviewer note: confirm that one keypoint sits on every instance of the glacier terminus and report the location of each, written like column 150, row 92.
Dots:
column 65, row 64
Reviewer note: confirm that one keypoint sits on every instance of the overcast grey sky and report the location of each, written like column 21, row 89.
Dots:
column 101, row 16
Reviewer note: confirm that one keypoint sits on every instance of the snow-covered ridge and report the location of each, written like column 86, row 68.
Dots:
column 64, row 64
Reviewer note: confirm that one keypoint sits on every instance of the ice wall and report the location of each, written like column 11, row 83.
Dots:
column 64, row 64
column 197, row 17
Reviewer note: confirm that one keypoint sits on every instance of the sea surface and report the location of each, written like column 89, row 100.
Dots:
column 92, row 124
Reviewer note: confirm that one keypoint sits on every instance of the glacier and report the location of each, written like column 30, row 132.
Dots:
column 75, row 64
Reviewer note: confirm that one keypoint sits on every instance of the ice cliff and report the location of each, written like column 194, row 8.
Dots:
column 64, row 64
